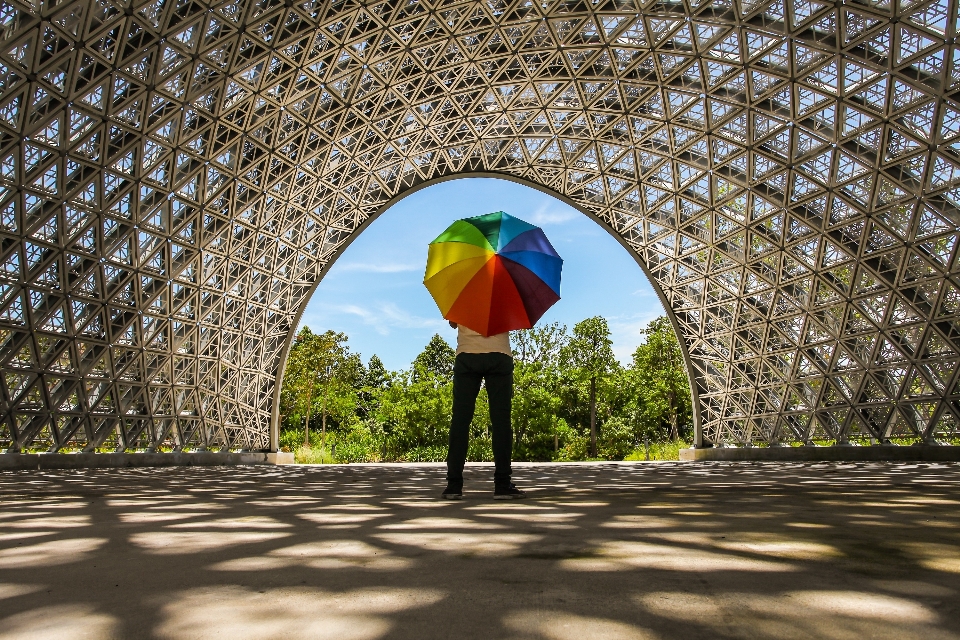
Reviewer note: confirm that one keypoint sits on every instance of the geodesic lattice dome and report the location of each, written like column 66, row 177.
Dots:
column 175, row 175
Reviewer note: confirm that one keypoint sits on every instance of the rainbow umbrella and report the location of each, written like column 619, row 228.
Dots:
column 493, row 273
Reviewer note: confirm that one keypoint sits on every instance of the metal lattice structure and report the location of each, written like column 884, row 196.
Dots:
column 175, row 176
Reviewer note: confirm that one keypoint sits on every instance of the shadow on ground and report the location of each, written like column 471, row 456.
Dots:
column 613, row 551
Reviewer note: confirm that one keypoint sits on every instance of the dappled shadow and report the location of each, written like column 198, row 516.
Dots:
column 615, row 551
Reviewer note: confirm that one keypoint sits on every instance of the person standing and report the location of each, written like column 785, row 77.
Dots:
column 480, row 358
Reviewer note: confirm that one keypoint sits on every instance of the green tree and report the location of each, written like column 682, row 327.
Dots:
column 414, row 407
column 540, row 346
column 415, row 410
column 320, row 377
column 437, row 358
column 304, row 369
column 374, row 378
column 537, row 382
column 590, row 354
column 375, row 375
column 563, row 382
column 659, row 377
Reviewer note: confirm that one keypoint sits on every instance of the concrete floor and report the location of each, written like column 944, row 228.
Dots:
column 612, row 551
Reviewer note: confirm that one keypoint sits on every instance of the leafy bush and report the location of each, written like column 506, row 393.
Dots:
column 356, row 445
column 616, row 439
column 292, row 438
column 576, row 447
column 424, row 454
column 480, row 449
column 416, row 409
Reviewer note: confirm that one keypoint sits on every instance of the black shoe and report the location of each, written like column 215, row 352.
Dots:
column 452, row 493
column 508, row 492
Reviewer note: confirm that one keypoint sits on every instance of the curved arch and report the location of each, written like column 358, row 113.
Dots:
column 176, row 176
column 275, row 422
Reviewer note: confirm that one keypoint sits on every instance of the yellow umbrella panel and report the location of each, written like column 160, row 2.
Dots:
column 450, row 266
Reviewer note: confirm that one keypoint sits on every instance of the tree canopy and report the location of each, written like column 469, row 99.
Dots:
column 436, row 358
column 573, row 400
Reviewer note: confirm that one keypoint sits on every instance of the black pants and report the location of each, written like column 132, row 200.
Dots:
column 468, row 370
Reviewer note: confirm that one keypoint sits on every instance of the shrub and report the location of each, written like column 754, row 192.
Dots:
column 575, row 447
column 480, row 449
column 355, row 445
column 424, row 454
column 292, row 438
column 616, row 439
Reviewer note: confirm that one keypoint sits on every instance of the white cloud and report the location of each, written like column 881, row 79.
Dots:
column 352, row 309
column 387, row 316
column 378, row 268
column 548, row 213
column 405, row 320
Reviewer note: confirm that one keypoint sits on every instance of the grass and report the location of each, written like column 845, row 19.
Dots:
column 660, row 451
column 309, row 455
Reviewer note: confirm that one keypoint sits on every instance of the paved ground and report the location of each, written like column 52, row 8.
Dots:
column 612, row 551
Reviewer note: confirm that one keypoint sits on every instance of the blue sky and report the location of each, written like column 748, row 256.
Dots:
column 374, row 293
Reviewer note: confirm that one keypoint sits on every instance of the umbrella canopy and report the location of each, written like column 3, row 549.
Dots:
column 493, row 273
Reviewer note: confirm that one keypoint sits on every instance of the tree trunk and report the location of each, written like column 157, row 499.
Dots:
column 323, row 422
column 593, row 417
column 674, row 434
column 306, row 432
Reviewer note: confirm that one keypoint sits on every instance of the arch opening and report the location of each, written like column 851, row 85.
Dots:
column 177, row 177
column 417, row 216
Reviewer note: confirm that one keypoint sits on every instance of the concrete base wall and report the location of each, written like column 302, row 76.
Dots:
column 825, row 454
column 11, row 461
column 280, row 457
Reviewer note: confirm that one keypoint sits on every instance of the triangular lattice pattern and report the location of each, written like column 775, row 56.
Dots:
column 176, row 174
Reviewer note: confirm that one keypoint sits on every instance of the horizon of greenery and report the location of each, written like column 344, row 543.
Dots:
column 572, row 399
